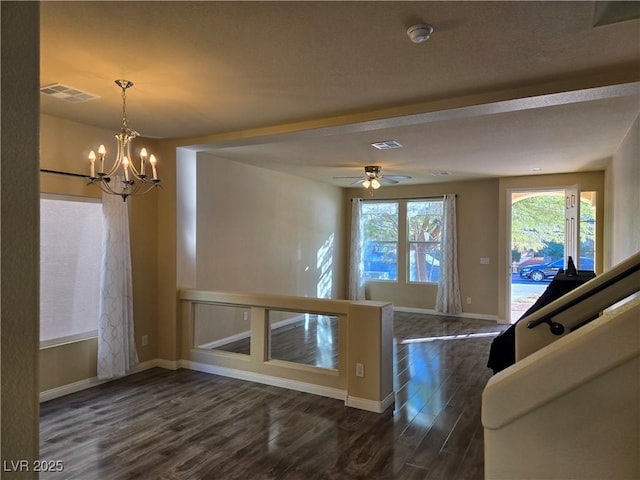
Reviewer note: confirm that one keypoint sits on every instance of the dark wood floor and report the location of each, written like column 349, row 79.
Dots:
column 171, row 425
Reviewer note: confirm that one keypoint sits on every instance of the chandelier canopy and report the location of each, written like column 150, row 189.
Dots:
column 123, row 178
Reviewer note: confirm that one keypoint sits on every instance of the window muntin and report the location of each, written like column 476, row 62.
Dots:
column 380, row 240
column 70, row 265
column 424, row 232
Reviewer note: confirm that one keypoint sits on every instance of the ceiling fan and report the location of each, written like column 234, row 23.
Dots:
column 374, row 179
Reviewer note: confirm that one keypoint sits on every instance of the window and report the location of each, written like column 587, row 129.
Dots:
column 408, row 229
column 424, row 230
column 380, row 240
column 70, row 259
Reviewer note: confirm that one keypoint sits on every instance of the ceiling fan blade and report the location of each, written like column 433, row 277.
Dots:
column 398, row 177
column 358, row 182
column 338, row 178
column 388, row 180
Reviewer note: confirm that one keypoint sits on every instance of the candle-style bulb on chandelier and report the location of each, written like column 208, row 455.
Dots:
column 124, row 178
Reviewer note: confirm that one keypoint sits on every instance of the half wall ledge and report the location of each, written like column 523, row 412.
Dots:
column 363, row 378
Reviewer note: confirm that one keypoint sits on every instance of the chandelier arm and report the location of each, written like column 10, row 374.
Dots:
column 138, row 191
column 103, row 185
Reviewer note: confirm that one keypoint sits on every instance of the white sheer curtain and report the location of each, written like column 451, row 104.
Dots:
column 356, row 265
column 448, row 298
column 116, row 339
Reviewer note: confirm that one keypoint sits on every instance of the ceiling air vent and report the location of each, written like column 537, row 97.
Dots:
column 68, row 94
column 386, row 145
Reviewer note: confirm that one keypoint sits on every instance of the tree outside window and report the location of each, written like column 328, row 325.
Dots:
column 424, row 230
column 416, row 238
column 538, row 227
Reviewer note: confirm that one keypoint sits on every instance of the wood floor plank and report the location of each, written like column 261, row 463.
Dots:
column 182, row 425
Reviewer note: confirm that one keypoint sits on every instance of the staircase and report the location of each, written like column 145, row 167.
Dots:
column 569, row 408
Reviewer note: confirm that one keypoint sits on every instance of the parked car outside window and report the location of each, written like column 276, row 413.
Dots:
column 540, row 272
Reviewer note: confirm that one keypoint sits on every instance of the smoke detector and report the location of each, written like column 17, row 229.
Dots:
column 420, row 33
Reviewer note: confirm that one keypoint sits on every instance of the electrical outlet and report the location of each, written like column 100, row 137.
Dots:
column 359, row 369
column 245, row 315
column 468, row 300
column 145, row 340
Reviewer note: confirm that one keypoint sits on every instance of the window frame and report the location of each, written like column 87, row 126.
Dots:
column 397, row 242
column 427, row 243
column 81, row 336
column 403, row 242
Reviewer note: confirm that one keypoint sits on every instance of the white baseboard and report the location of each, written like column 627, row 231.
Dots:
column 426, row 311
column 167, row 364
column 224, row 341
column 266, row 379
column 354, row 402
column 93, row 381
column 68, row 389
column 370, row 405
column 242, row 335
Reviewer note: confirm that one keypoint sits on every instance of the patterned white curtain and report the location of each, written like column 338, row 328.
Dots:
column 448, row 297
column 116, row 339
column 356, row 266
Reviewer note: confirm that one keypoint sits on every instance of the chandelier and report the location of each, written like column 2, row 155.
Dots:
column 123, row 178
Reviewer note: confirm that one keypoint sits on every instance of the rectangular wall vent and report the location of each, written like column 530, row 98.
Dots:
column 386, row 145
column 68, row 94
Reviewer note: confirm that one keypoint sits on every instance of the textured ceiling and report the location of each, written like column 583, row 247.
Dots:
column 304, row 87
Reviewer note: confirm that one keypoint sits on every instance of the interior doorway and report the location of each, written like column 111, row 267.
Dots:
column 538, row 242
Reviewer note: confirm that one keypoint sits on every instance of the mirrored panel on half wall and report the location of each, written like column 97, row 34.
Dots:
column 223, row 327
column 305, row 338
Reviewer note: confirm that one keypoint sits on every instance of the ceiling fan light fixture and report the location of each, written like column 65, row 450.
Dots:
column 372, row 171
column 372, row 177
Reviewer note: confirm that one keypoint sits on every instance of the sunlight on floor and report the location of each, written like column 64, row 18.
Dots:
column 463, row 336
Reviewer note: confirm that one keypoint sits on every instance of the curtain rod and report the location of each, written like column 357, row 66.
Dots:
column 57, row 172
column 432, row 197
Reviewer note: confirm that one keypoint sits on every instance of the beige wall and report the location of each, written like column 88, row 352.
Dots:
column 262, row 231
column 477, row 219
column 623, row 198
column 64, row 146
column 167, row 326
column 213, row 323
column 19, row 411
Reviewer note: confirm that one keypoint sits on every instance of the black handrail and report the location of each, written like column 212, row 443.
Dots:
column 557, row 328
